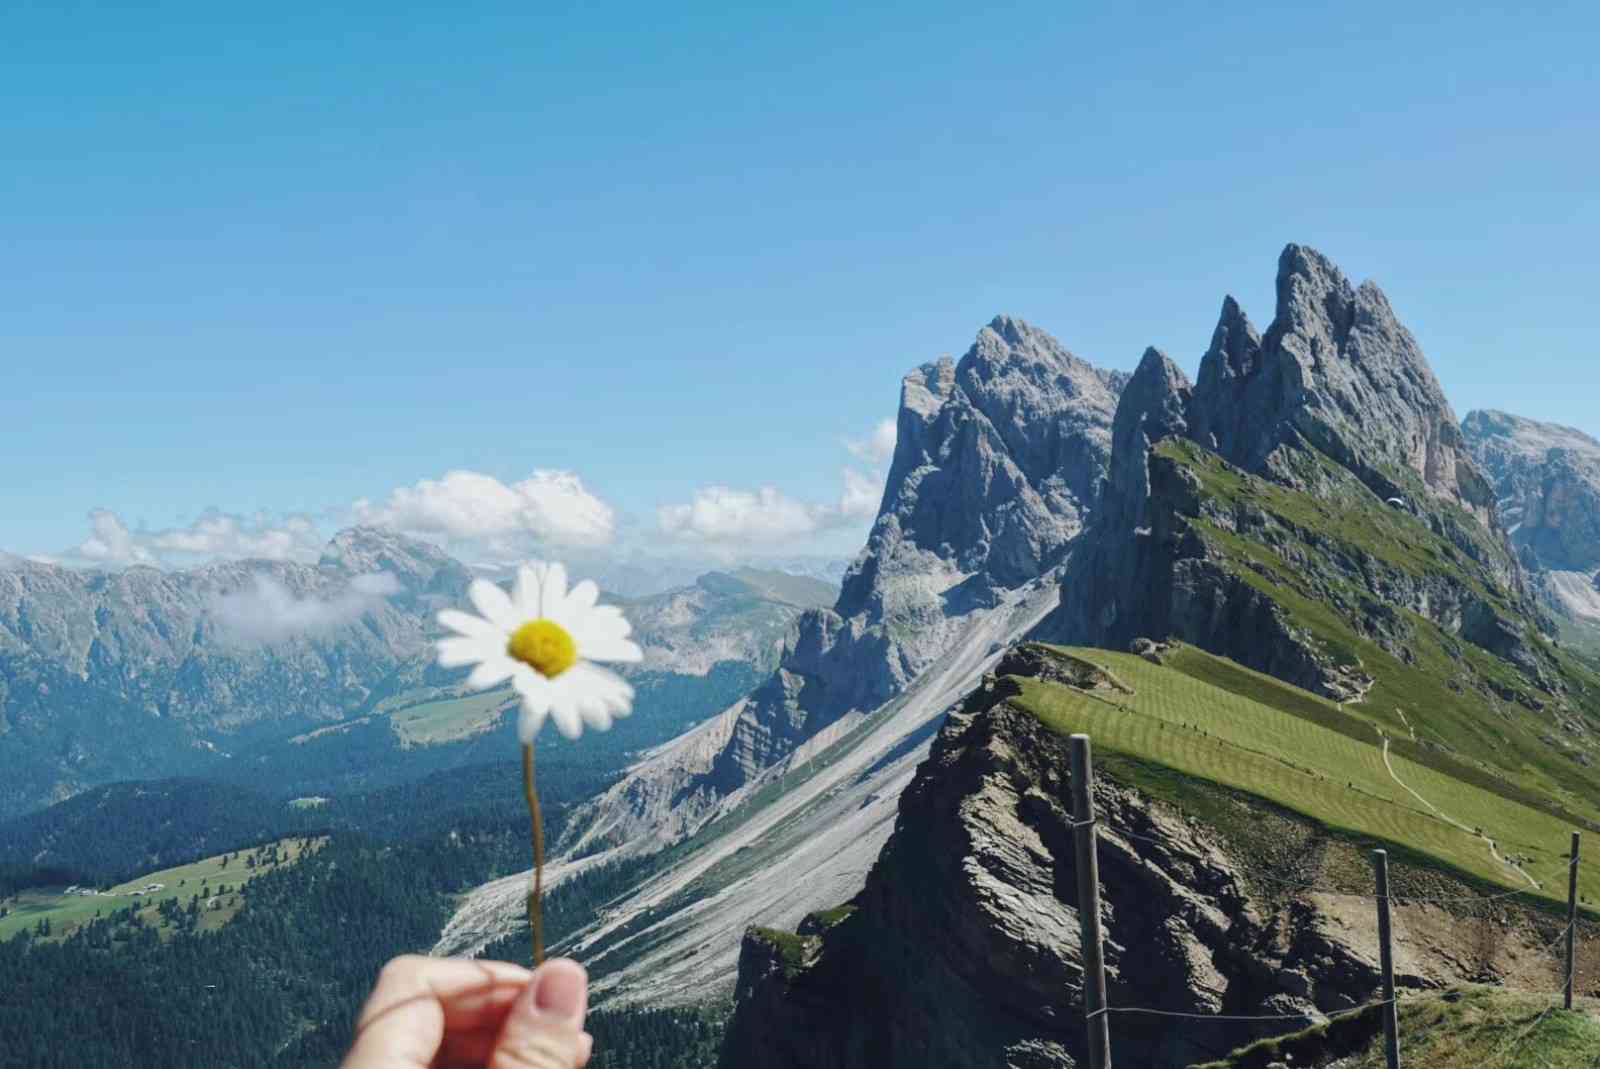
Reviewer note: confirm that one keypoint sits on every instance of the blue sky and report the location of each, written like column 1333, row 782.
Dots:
column 276, row 262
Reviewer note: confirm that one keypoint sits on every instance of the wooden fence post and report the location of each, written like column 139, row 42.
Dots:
column 1088, row 866
column 1572, row 919
column 1391, row 1017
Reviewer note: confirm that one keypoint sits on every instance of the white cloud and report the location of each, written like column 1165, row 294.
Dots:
column 113, row 544
column 549, row 506
column 721, row 514
column 218, row 534
column 725, row 519
column 861, row 495
column 268, row 612
column 110, row 542
column 877, row 447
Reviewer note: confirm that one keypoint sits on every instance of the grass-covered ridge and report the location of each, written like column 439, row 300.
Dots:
column 1471, row 1028
column 1176, row 721
column 1332, row 560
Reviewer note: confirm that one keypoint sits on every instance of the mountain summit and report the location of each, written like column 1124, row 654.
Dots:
column 1000, row 459
column 1337, row 404
column 1336, row 371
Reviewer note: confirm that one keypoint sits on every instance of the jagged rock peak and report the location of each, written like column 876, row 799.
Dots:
column 1336, row 370
column 417, row 565
column 1000, row 457
column 1234, row 356
column 1235, row 344
column 1153, row 406
column 1011, row 346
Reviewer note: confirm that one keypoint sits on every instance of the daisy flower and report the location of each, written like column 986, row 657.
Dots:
column 546, row 639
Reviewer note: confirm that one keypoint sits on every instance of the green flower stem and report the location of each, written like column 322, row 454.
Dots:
column 536, row 892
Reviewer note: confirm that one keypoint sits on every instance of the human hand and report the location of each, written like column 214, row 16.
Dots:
column 451, row 1013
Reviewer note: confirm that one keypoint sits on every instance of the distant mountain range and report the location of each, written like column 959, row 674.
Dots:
column 1547, row 478
column 147, row 673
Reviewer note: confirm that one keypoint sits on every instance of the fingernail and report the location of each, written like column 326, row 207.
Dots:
column 563, row 990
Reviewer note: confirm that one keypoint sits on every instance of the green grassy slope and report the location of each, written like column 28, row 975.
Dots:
column 1474, row 1028
column 1277, row 752
column 205, row 878
column 1326, row 558
column 451, row 719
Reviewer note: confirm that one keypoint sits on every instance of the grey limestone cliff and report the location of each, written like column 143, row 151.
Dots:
column 1547, row 480
column 1334, row 402
column 999, row 460
column 1338, row 371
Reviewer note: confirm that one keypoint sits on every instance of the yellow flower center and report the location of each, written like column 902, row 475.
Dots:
column 544, row 646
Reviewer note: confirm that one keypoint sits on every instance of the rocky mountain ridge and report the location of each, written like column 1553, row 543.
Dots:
column 1547, row 479
column 999, row 459
column 1309, row 507
column 1335, row 404
column 963, row 947
column 145, row 673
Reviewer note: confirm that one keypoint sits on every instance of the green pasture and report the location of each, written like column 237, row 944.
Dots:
column 67, row 912
column 451, row 719
column 1470, row 1028
column 1197, row 729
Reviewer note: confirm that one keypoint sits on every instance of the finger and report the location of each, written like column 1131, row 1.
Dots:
column 417, row 1000
column 544, row 1029
column 466, row 990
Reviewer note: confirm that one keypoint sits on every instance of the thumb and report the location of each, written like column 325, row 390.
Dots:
column 544, row 1029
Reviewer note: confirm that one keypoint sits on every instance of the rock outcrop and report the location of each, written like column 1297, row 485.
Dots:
column 1334, row 402
column 1547, row 479
column 998, row 461
column 1337, row 371
column 963, row 949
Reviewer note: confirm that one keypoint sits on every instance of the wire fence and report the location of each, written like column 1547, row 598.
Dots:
column 1560, row 950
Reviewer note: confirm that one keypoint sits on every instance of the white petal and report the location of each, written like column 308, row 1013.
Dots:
column 535, row 702
column 554, row 595
column 601, row 623
column 612, row 649
column 464, row 623
column 529, row 721
column 620, row 704
column 581, row 598
column 494, row 604
column 525, row 595
column 492, row 672
column 456, row 652
column 591, row 681
column 528, row 682
column 595, row 714
column 568, row 722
